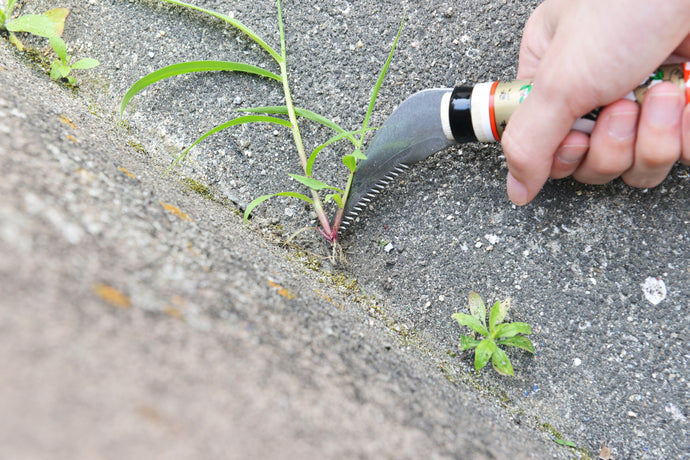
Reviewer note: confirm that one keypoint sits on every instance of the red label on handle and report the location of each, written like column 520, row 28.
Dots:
column 686, row 75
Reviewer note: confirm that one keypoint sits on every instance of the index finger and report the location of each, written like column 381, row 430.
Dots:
column 536, row 129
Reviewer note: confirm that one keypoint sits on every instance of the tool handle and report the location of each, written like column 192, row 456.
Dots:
column 481, row 113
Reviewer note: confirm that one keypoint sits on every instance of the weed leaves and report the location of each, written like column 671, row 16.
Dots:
column 49, row 25
column 498, row 334
column 356, row 137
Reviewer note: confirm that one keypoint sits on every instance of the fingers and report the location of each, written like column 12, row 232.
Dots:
column 536, row 130
column 640, row 145
column 659, row 136
column 612, row 144
column 569, row 154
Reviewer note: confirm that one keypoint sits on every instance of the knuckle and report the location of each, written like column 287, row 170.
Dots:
column 657, row 159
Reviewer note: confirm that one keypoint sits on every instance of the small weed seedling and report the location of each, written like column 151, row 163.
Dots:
column 316, row 187
column 497, row 334
column 49, row 25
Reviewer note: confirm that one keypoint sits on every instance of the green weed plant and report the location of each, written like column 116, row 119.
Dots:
column 495, row 335
column 319, row 192
column 49, row 25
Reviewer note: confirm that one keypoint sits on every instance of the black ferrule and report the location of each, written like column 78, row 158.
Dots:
column 459, row 115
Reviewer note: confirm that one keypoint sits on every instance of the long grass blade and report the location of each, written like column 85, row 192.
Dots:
column 234, row 122
column 235, row 23
column 382, row 75
column 314, row 184
column 191, row 67
column 261, row 199
column 304, row 113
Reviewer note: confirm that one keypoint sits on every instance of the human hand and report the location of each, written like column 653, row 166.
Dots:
column 582, row 55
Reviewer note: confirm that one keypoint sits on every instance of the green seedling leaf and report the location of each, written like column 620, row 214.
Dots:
column 382, row 75
column 314, row 184
column 60, row 48
column 467, row 342
column 57, row 16
column 234, row 122
column 191, row 67
column 86, row 63
column 510, row 330
column 498, row 313
column 2, row 19
column 564, row 443
column 351, row 162
column 59, row 70
column 36, row 24
column 483, row 353
column 357, row 154
column 477, row 307
column 55, row 69
column 317, row 150
column 519, row 341
column 261, row 199
column 235, row 23
column 304, row 113
column 501, row 362
column 471, row 322
column 335, row 197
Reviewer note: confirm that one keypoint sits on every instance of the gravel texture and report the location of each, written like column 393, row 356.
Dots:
column 224, row 343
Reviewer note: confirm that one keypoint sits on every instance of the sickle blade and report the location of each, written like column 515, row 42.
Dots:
column 412, row 133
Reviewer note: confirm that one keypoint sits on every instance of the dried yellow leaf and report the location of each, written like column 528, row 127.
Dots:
column 113, row 296
column 174, row 210
column 128, row 173
column 67, row 121
column 281, row 290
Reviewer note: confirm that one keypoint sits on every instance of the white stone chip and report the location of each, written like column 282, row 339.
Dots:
column 654, row 290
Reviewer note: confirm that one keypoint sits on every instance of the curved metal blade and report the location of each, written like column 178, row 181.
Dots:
column 412, row 133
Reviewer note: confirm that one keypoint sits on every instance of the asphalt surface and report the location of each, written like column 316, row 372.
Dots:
column 139, row 317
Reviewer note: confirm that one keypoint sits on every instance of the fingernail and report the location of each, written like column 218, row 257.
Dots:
column 663, row 108
column 516, row 191
column 622, row 125
column 571, row 154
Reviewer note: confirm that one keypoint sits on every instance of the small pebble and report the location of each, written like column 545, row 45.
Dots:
column 473, row 53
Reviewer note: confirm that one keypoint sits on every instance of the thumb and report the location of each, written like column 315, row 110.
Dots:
column 532, row 136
